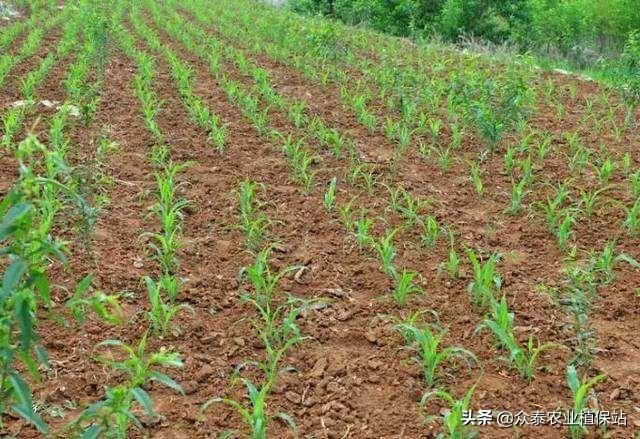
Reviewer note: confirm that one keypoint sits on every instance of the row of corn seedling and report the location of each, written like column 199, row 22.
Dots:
column 116, row 413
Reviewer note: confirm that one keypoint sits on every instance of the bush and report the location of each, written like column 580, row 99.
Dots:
column 630, row 63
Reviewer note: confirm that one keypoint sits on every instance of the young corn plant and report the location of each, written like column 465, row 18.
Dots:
column 300, row 160
column 386, row 252
column 106, row 306
column 589, row 200
column 476, row 179
column 346, row 215
column 580, row 389
column 581, row 289
column 411, row 208
column 278, row 332
column 563, row 231
column 443, row 158
column 544, row 147
column 169, row 208
column 113, row 416
column 604, row 263
column 510, row 159
column 363, row 175
column 453, row 419
column 634, row 181
column 404, row 286
column 517, row 194
column 632, row 219
column 452, row 264
column 362, row 230
column 486, row 279
column 329, row 200
column 24, row 286
column 523, row 359
column 162, row 312
column 430, row 354
column 253, row 223
column 430, row 231
column 605, row 171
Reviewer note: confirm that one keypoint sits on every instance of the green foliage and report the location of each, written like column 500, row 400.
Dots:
column 580, row 389
column 454, row 425
column 276, row 325
column 581, row 31
column 112, row 416
column 429, row 352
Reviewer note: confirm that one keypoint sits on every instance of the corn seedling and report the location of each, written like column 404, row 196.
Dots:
column 386, row 252
column 362, row 230
column 452, row 264
column 517, row 193
column 444, row 158
column 632, row 219
column 330, row 195
column 107, row 307
column 364, row 176
column 476, row 179
column 563, row 231
column 430, row 354
column 346, row 215
column 162, row 312
column 278, row 331
column 253, row 223
column 510, row 159
column 404, row 286
column 523, row 359
column 604, row 263
column 605, row 171
column 113, row 416
column 580, row 389
column 544, row 147
column 634, row 181
column 453, row 419
column 589, row 200
column 430, row 231
column 486, row 278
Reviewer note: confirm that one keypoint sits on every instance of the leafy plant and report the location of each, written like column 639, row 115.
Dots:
column 430, row 355
column 476, row 179
column 112, row 416
column 330, row 194
column 253, row 223
column 107, row 307
column 430, row 231
column 278, row 332
column 453, row 419
column 485, row 278
column 580, row 389
column 404, row 286
column 386, row 252
column 362, row 229
column 523, row 359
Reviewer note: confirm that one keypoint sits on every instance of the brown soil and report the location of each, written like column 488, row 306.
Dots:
column 352, row 378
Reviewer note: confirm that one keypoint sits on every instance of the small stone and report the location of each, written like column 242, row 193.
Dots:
column 319, row 368
column 190, row 387
column 205, row 372
column 375, row 364
column 292, row 397
column 615, row 394
column 371, row 337
column 309, row 402
column 239, row 341
column 334, row 387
